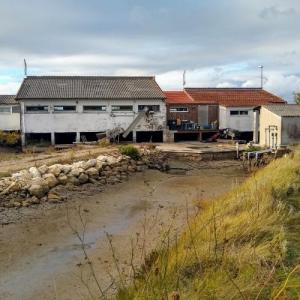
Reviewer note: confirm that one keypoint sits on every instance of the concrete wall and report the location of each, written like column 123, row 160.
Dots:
column 243, row 123
column 268, row 124
column 9, row 121
column 290, row 130
column 79, row 121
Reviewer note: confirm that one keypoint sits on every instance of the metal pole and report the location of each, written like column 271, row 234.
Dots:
column 261, row 76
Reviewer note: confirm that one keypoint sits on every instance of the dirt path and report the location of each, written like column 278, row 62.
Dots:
column 40, row 258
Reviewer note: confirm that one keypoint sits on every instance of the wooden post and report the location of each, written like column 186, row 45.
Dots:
column 175, row 296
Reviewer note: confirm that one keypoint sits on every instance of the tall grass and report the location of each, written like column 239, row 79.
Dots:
column 244, row 245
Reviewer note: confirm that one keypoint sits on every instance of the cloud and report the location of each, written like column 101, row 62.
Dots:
column 220, row 43
column 275, row 12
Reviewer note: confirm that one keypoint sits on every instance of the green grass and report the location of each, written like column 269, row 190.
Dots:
column 244, row 245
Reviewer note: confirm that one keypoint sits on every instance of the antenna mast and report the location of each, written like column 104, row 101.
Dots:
column 25, row 68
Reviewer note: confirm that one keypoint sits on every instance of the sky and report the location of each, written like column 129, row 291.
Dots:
column 220, row 43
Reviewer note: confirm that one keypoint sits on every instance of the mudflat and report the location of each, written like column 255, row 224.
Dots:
column 42, row 258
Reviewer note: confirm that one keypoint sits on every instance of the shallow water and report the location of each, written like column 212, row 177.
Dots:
column 39, row 257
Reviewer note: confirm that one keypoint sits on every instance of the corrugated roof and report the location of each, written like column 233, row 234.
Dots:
column 178, row 97
column 7, row 99
column 285, row 110
column 233, row 96
column 89, row 87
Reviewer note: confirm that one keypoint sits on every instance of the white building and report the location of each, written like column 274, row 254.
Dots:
column 63, row 109
column 9, row 113
column 279, row 125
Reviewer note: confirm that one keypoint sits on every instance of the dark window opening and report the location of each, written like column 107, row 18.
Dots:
column 121, row 139
column 37, row 108
column 65, row 138
column 244, row 112
column 88, row 136
column 122, row 108
column 178, row 137
column 94, row 108
column 234, row 112
column 149, row 136
column 38, row 139
column 155, row 108
column 64, row 108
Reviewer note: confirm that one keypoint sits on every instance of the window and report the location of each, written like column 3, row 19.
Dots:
column 149, row 107
column 239, row 112
column 244, row 112
column 5, row 110
column 37, row 109
column 234, row 112
column 16, row 109
column 64, row 108
column 122, row 108
column 93, row 108
column 179, row 109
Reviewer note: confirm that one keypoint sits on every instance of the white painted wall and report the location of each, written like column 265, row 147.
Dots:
column 9, row 121
column 242, row 123
column 88, row 122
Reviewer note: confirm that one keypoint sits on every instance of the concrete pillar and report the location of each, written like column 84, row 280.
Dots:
column 23, row 139
column 77, row 137
column 134, row 136
column 52, row 138
column 255, row 126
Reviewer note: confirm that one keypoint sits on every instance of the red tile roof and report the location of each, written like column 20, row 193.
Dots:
column 178, row 97
column 233, row 96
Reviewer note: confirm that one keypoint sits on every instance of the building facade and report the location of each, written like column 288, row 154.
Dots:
column 279, row 125
column 9, row 113
column 63, row 109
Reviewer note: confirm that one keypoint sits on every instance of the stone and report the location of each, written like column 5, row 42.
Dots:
column 17, row 204
column 54, row 198
column 50, row 180
column 43, row 169
column 73, row 180
column 92, row 172
column 75, row 172
column 55, row 169
column 83, row 178
column 38, row 190
column 13, row 187
column 34, row 172
column 26, row 203
column 35, row 200
column 62, row 179
column 66, row 169
column 91, row 163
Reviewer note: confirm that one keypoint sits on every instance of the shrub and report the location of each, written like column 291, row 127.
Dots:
column 130, row 151
column 10, row 138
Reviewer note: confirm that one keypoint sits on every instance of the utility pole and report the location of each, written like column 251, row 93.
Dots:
column 261, row 76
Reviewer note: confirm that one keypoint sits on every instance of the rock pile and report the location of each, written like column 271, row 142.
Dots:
column 31, row 186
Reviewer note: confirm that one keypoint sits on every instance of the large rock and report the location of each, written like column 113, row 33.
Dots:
column 34, row 172
column 66, row 169
column 38, row 190
column 62, row 179
column 43, row 169
column 50, row 180
column 75, row 172
column 55, row 169
column 83, row 178
column 92, row 172
column 73, row 180
column 91, row 163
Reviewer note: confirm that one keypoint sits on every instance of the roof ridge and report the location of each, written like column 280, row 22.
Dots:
column 87, row 76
